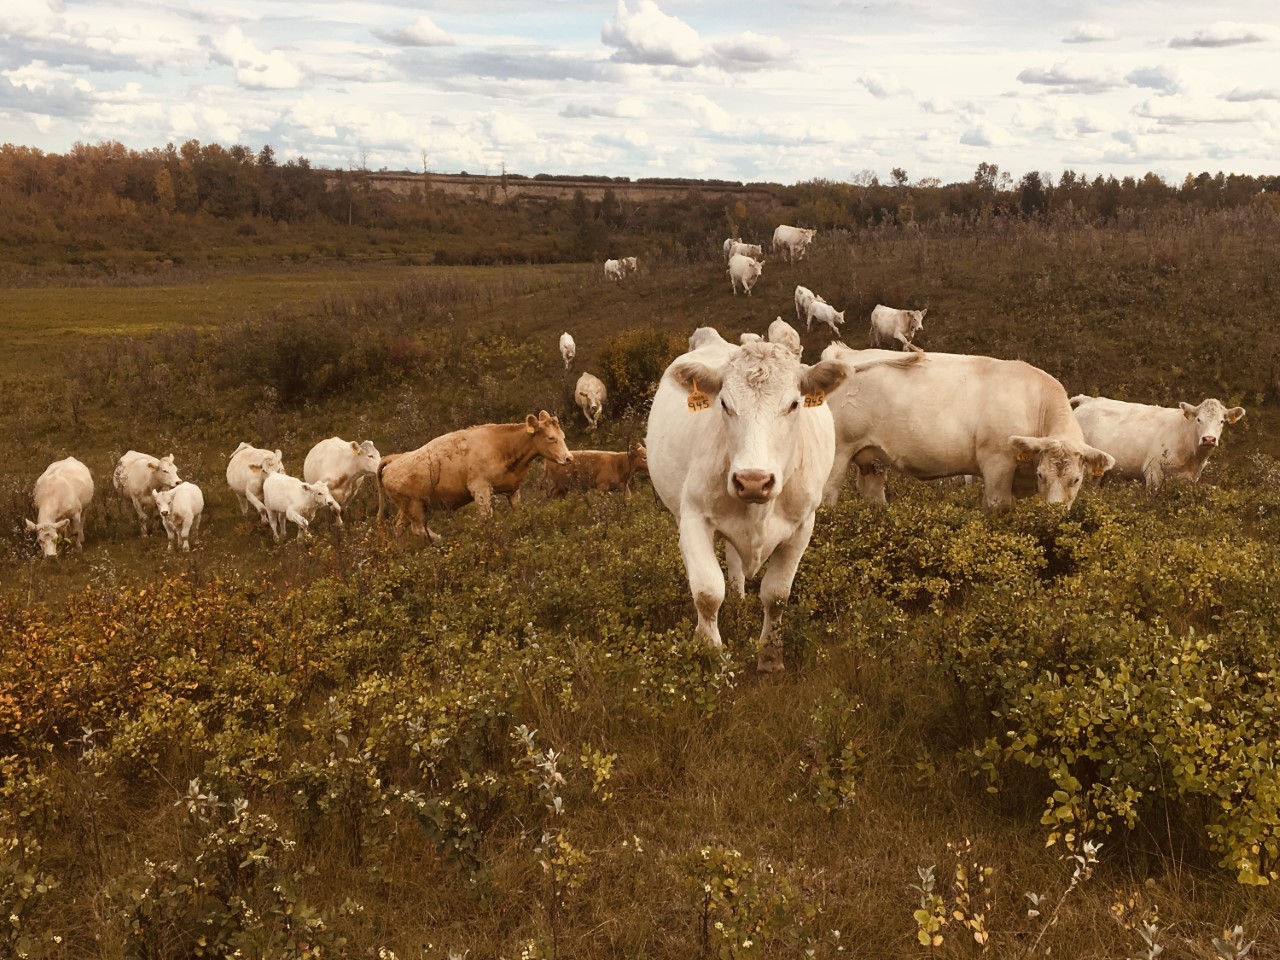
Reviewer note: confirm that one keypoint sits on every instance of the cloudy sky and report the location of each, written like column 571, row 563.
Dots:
column 785, row 90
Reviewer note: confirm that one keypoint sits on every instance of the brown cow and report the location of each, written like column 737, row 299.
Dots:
column 601, row 470
column 471, row 464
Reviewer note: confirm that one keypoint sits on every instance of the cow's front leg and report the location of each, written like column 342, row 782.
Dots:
column 997, row 484
column 142, row 516
column 706, row 582
column 775, row 588
column 482, row 493
column 1153, row 474
column 302, row 522
column 257, row 505
column 737, row 579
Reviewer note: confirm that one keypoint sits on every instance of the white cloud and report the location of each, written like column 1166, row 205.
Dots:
column 1224, row 33
column 650, row 36
column 31, row 18
column 751, row 50
column 626, row 107
column 1241, row 95
column 983, row 134
column 421, row 33
column 255, row 69
column 706, row 112
column 879, row 85
column 1162, row 79
column 1071, row 79
column 1185, row 111
column 507, row 130
column 1089, row 33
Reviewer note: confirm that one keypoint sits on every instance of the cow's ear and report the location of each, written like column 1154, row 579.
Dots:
column 820, row 379
column 279, row 455
column 531, row 424
column 544, row 417
column 308, row 487
column 923, row 312
column 1026, row 449
column 60, row 524
column 167, row 459
column 30, row 526
column 686, row 372
column 153, row 466
column 1189, row 411
column 1234, row 414
column 355, row 447
column 1098, row 461
column 255, row 468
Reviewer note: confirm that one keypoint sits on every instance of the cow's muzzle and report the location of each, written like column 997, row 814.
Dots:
column 1208, row 441
column 753, row 486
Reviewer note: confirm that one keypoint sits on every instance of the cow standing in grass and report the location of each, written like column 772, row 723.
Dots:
column 740, row 444
column 468, row 465
column 61, row 494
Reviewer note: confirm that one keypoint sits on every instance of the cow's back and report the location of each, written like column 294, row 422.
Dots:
column 937, row 417
column 1130, row 432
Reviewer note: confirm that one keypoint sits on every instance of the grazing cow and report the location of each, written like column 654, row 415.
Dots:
column 888, row 325
column 744, row 271
column 61, row 494
column 589, row 394
column 246, row 470
column 466, row 465
column 947, row 415
column 288, row 498
column 342, row 465
column 739, row 445
column 823, row 312
column 1151, row 443
column 728, row 247
column 793, row 241
column 752, row 250
column 180, row 509
column 613, row 270
column 568, row 349
column 602, row 470
column 137, row 474
column 782, row 332
column 804, row 297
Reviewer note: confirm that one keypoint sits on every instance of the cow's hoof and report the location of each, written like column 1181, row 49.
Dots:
column 770, row 661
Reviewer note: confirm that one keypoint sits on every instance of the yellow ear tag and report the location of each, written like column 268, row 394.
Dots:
column 815, row 399
column 698, row 400
column 1097, row 471
column 1024, row 458
column 529, row 429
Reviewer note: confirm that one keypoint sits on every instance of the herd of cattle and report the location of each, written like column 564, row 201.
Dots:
column 744, row 442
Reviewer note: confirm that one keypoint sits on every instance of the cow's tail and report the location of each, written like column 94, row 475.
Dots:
column 382, row 465
column 910, row 360
column 1078, row 399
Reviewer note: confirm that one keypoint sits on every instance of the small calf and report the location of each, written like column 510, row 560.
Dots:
column 602, row 470
column 288, row 498
column 180, row 510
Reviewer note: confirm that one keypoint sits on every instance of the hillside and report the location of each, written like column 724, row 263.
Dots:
column 511, row 745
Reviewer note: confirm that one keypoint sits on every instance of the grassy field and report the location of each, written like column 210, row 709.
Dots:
column 509, row 746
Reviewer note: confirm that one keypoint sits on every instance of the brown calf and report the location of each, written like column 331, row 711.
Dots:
column 601, row 470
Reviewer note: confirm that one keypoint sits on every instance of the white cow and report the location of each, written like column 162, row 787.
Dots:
column 888, row 325
column 804, row 297
column 728, row 247
column 568, row 349
column 743, row 338
column 342, row 466
column 782, row 332
column 246, row 470
column 739, row 446
column 744, row 271
column 823, row 312
column 180, row 510
column 613, row 269
column 1151, row 443
column 752, row 250
column 629, row 265
column 948, row 415
column 793, row 241
column 137, row 474
column 589, row 394
column 288, row 498
column 61, row 494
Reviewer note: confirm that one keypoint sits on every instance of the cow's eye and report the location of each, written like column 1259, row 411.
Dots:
column 795, row 405
column 727, row 409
